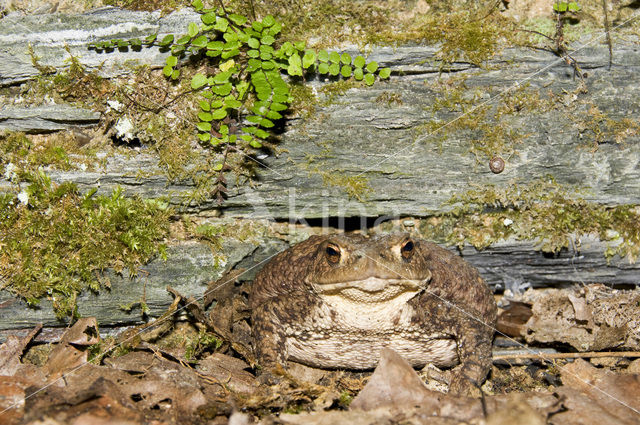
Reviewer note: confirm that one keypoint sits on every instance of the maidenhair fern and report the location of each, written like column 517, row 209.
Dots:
column 244, row 92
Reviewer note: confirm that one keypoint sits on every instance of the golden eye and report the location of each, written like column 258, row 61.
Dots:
column 407, row 250
column 333, row 254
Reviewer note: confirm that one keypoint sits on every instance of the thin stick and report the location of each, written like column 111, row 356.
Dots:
column 589, row 354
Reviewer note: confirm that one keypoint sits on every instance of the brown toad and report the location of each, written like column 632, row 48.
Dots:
column 336, row 301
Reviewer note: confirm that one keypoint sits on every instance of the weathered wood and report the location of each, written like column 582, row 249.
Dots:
column 44, row 119
column 408, row 172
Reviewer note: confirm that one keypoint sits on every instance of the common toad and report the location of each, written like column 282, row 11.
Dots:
column 335, row 301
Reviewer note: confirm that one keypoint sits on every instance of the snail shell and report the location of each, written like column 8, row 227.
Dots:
column 496, row 164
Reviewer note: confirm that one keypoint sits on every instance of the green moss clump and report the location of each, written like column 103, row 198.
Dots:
column 542, row 210
column 355, row 186
column 56, row 242
column 602, row 128
column 21, row 155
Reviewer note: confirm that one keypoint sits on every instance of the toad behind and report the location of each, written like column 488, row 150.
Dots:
column 336, row 301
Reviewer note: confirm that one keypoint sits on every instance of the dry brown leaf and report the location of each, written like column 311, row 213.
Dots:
column 597, row 396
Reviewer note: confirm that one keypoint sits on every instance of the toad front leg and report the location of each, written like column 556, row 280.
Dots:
column 473, row 334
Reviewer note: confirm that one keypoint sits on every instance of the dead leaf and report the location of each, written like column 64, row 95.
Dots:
column 516, row 411
column 66, row 355
column 228, row 372
column 11, row 352
column 597, row 396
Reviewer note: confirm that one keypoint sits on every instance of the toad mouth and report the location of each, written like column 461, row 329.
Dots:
column 372, row 285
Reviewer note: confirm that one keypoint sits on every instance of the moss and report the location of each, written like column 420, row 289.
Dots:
column 542, row 210
column 57, row 242
column 486, row 125
column 165, row 6
column 389, row 99
column 355, row 186
column 203, row 342
column 601, row 128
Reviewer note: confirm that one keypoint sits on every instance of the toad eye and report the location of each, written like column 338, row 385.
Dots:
column 407, row 250
column 333, row 254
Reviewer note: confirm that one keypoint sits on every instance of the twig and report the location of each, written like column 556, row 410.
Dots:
column 607, row 31
column 588, row 354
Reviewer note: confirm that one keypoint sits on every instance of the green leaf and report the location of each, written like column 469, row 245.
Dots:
column 334, row 57
column 358, row 74
column 253, row 53
column 222, row 90
column 573, row 7
column 384, row 73
column 224, row 129
column 273, row 115
column 183, row 40
column 215, row 45
column 230, row 54
column 237, row 19
column 300, row 45
column 197, row 5
column 323, row 68
column 560, row 7
column 372, row 66
column 323, row 56
column 205, row 116
column 266, row 49
column 172, row 61
column 266, row 123
column 345, row 58
column 166, row 40
column 151, row 38
column 219, row 114
column 261, row 133
column 275, row 29
column 204, row 105
column 278, row 107
column 230, row 36
column 200, row 42
column 167, row 71
column 267, row 39
column 346, row 71
column 369, row 78
column 135, row 42
column 175, row 74
column 205, row 137
column 207, row 94
column 198, row 81
column 209, row 18
column 232, row 103
column 268, row 65
column 222, row 77
column 255, row 144
column 254, row 119
column 204, row 126
column 217, row 166
column 221, row 24
column 192, row 29
column 359, row 62
column 295, row 65
column 266, row 56
column 253, row 43
column 308, row 59
column 334, row 69
column 268, row 21
column 257, row 26
column 177, row 50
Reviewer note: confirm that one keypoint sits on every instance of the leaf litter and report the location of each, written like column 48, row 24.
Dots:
column 210, row 377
